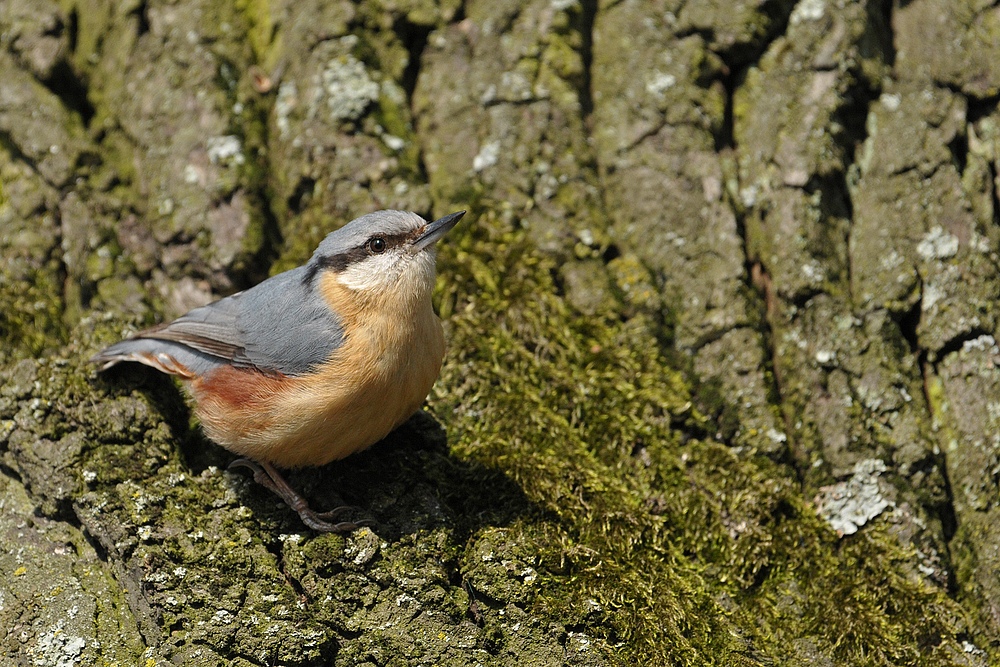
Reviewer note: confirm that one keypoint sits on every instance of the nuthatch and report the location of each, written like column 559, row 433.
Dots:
column 315, row 363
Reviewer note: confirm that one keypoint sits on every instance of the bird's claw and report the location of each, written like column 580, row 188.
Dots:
column 330, row 515
column 316, row 521
column 267, row 476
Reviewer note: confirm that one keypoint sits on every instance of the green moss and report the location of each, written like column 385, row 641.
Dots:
column 393, row 115
column 248, row 121
column 676, row 550
column 311, row 226
column 31, row 319
column 262, row 29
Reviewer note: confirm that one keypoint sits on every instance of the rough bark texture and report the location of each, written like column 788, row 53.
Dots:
column 723, row 385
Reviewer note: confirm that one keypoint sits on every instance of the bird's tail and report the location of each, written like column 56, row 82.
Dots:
column 164, row 356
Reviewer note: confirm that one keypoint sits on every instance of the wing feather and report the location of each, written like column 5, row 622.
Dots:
column 213, row 329
column 281, row 326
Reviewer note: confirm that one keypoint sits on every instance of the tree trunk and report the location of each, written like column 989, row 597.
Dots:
column 722, row 383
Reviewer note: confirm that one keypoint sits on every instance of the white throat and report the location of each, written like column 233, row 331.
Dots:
column 407, row 275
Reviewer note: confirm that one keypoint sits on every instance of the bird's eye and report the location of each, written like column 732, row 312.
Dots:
column 377, row 245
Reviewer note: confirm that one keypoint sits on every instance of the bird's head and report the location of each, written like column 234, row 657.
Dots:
column 382, row 254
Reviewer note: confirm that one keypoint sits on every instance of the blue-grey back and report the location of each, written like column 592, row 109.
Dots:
column 281, row 324
column 286, row 325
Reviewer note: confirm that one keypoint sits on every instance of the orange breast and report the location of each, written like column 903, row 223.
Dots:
column 234, row 401
column 381, row 375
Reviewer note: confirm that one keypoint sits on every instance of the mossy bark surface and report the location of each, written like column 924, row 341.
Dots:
column 723, row 382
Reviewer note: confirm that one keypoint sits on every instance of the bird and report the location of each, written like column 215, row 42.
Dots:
column 316, row 363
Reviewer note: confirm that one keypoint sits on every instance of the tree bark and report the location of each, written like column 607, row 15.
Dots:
column 722, row 383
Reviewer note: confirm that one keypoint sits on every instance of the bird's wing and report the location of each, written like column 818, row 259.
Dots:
column 281, row 325
column 287, row 326
column 211, row 330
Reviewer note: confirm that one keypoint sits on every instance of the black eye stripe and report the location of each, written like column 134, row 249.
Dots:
column 341, row 261
column 390, row 241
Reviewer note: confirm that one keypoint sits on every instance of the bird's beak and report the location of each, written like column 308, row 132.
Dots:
column 435, row 230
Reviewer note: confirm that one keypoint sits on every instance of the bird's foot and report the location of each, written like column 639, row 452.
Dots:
column 268, row 476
